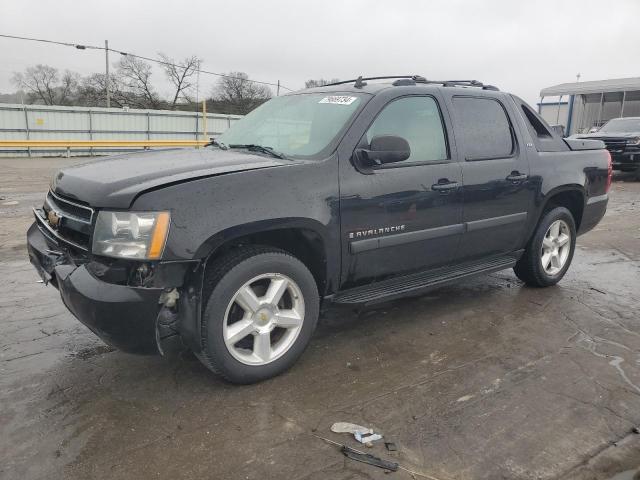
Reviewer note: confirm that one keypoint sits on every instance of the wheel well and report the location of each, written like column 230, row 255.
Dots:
column 304, row 244
column 572, row 200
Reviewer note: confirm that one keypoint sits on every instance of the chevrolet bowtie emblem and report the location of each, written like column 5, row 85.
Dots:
column 53, row 218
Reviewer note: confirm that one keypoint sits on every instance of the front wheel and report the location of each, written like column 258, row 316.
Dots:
column 261, row 311
column 549, row 253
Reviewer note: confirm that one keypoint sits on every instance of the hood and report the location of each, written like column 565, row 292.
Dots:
column 116, row 181
column 602, row 135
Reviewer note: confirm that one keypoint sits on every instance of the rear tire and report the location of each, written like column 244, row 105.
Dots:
column 549, row 252
column 261, row 310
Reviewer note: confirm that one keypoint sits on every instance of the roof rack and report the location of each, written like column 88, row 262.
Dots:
column 403, row 80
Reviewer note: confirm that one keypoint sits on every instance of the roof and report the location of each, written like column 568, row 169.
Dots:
column 370, row 88
column 596, row 86
column 376, row 85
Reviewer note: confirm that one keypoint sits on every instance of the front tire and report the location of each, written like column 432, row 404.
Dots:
column 549, row 252
column 261, row 310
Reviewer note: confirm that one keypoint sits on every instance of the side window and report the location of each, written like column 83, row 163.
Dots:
column 418, row 121
column 536, row 127
column 544, row 137
column 484, row 127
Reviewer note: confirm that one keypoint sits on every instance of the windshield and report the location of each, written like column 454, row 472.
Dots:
column 622, row 125
column 303, row 125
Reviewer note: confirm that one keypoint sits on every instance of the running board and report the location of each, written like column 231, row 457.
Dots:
column 422, row 281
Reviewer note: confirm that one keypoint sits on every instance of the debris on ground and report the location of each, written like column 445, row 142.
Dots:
column 369, row 459
column 413, row 473
column 391, row 446
column 352, row 428
column 364, row 435
column 367, row 439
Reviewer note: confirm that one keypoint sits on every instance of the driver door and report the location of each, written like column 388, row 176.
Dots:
column 404, row 216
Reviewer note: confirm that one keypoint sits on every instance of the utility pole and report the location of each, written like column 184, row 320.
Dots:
column 578, row 77
column 106, row 78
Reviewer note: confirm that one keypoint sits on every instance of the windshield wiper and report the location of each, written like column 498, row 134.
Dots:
column 218, row 144
column 259, row 148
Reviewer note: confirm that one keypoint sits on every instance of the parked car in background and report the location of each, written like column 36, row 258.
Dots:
column 353, row 193
column 622, row 138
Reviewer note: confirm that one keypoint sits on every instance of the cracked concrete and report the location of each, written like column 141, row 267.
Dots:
column 483, row 380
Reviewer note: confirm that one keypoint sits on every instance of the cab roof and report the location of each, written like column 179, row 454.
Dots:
column 373, row 85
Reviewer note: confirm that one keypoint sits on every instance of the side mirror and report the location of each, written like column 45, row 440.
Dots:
column 385, row 149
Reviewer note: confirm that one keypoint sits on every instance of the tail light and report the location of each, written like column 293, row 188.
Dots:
column 609, row 171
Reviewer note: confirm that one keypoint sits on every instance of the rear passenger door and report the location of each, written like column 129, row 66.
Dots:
column 495, row 170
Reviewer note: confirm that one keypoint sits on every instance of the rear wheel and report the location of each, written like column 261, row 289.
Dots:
column 549, row 253
column 261, row 311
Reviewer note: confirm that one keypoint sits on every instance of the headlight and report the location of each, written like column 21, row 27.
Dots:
column 633, row 141
column 137, row 235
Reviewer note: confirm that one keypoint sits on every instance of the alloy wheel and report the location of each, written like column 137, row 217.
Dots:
column 263, row 319
column 556, row 246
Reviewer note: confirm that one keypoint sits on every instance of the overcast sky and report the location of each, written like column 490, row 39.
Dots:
column 520, row 46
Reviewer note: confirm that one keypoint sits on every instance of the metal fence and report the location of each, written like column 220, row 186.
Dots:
column 41, row 122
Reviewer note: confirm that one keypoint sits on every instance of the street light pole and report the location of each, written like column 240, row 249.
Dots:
column 106, row 79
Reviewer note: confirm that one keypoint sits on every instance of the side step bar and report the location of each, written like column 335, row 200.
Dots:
column 422, row 281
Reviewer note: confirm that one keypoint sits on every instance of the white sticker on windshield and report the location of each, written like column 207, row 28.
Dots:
column 339, row 100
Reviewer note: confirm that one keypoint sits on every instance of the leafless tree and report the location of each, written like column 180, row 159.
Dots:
column 321, row 82
column 91, row 92
column 135, row 77
column 68, row 87
column 44, row 84
column 180, row 74
column 240, row 93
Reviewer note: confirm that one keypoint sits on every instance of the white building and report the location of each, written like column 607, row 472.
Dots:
column 580, row 106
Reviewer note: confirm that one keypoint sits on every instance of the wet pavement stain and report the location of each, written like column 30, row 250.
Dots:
column 87, row 353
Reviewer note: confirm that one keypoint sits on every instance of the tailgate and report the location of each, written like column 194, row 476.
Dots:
column 584, row 144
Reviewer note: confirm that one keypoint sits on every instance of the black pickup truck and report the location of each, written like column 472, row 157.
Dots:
column 353, row 193
column 621, row 137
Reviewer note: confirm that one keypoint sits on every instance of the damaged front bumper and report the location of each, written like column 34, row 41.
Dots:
column 134, row 319
column 629, row 160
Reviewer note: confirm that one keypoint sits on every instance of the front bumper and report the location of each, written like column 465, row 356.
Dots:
column 625, row 160
column 123, row 316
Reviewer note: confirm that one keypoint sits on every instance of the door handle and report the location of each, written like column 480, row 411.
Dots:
column 445, row 186
column 517, row 176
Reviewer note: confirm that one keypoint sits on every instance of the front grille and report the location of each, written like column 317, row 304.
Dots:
column 69, row 220
column 70, row 208
column 615, row 145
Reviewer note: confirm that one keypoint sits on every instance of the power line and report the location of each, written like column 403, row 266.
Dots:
column 80, row 46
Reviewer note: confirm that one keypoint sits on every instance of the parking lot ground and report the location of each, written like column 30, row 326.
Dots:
column 487, row 379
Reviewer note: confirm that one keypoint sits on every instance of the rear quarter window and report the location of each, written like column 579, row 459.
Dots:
column 544, row 137
column 484, row 127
